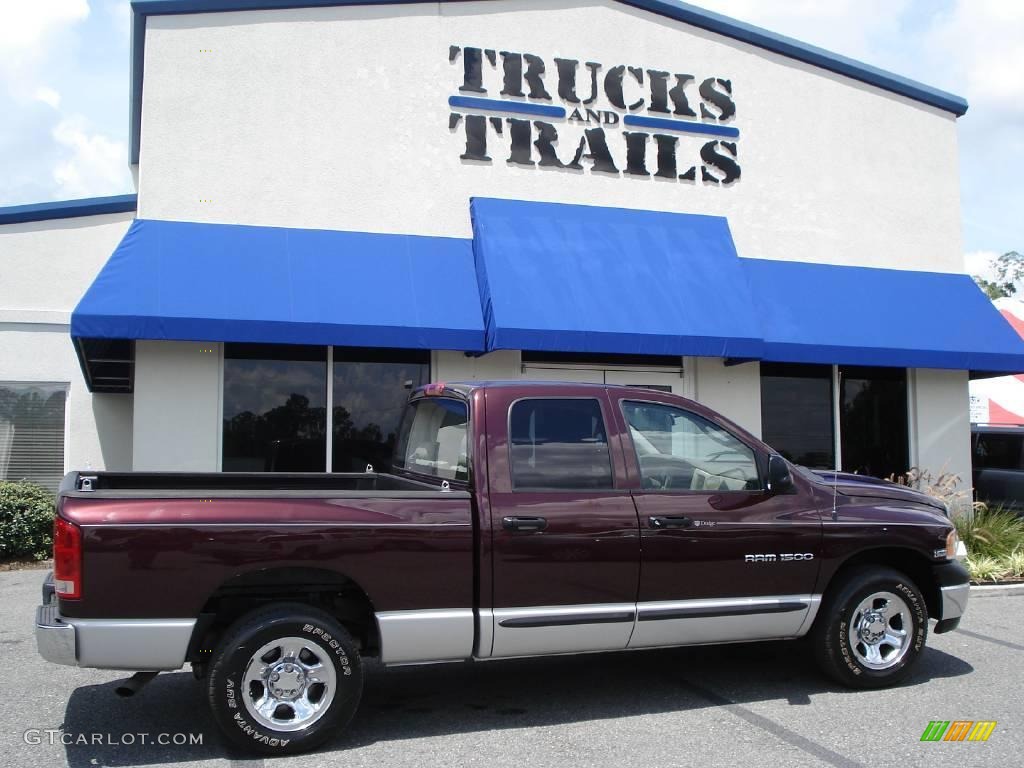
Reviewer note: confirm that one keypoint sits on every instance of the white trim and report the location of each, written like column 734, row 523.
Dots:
column 35, row 317
column 913, row 457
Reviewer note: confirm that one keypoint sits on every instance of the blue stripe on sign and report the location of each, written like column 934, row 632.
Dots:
column 681, row 125
column 471, row 102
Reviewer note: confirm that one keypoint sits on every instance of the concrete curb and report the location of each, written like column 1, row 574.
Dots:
column 996, row 590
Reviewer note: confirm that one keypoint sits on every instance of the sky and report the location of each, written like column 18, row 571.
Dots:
column 64, row 70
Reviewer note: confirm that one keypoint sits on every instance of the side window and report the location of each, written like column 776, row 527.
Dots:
column 559, row 444
column 679, row 450
column 998, row 451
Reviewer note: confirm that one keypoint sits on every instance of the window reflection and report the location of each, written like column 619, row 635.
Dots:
column 370, row 391
column 873, row 430
column 796, row 413
column 275, row 401
column 559, row 444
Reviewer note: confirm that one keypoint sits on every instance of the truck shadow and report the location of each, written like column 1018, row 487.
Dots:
column 416, row 702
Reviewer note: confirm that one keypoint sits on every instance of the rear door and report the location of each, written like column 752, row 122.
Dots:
column 723, row 560
column 563, row 526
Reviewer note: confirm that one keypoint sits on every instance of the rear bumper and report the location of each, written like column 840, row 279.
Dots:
column 955, row 588
column 128, row 644
column 55, row 639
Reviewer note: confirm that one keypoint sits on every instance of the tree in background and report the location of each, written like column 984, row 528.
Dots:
column 1009, row 271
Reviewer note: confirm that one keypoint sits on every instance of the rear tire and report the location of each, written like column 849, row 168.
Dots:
column 872, row 629
column 284, row 679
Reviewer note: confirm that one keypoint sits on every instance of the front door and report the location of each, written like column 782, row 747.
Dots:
column 722, row 559
column 564, row 530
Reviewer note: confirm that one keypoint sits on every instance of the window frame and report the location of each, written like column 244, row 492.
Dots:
column 608, row 442
column 453, row 483
column 757, row 455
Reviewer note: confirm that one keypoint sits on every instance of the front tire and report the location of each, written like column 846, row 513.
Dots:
column 872, row 629
column 284, row 679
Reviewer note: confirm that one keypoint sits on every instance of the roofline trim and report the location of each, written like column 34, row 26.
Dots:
column 673, row 9
column 68, row 209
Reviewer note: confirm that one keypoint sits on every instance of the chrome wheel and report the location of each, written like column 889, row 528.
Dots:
column 289, row 684
column 880, row 630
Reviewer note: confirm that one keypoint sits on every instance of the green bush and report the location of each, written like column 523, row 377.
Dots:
column 984, row 568
column 991, row 532
column 26, row 521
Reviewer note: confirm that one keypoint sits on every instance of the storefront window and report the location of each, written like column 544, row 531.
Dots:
column 873, row 426
column 370, row 391
column 797, row 413
column 32, row 432
column 275, row 408
column 797, row 417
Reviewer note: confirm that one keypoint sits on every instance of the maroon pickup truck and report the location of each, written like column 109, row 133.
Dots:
column 518, row 519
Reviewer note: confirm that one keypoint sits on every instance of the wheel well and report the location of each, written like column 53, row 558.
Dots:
column 915, row 565
column 327, row 590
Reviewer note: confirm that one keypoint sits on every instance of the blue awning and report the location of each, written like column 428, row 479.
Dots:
column 217, row 282
column 819, row 313
column 572, row 278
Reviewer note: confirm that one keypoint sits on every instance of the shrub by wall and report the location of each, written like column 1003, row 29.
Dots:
column 26, row 521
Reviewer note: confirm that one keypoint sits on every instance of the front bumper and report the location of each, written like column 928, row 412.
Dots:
column 955, row 589
column 128, row 644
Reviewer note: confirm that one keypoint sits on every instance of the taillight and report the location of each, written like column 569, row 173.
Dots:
column 67, row 559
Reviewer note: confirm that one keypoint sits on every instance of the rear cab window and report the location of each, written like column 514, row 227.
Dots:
column 559, row 444
column 433, row 439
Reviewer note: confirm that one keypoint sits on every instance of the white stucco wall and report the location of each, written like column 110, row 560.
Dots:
column 940, row 426
column 337, row 118
column 456, row 366
column 732, row 390
column 177, row 424
column 46, row 267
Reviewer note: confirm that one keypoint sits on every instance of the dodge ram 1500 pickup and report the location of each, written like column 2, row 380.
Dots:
column 517, row 519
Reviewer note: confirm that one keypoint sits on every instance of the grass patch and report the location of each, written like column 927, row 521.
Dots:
column 993, row 533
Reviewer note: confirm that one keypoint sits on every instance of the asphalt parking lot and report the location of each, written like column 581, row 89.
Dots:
column 757, row 705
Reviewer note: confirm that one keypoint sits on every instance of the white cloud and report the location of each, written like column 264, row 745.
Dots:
column 852, row 28
column 979, row 43
column 48, row 96
column 980, row 263
column 24, row 24
column 91, row 164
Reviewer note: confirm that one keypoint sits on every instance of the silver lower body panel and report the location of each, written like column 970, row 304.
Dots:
column 411, row 637
column 125, row 644
column 954, row 600
column 724, row 620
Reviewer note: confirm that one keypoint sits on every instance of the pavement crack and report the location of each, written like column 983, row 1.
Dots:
column 775, row 729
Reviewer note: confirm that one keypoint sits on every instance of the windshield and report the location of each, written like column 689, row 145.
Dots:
column 432, row 439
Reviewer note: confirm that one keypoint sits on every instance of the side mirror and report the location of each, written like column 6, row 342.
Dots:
column 780, row 481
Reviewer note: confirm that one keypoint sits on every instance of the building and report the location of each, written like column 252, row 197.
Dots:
column 1000, row 400
column 338, row 201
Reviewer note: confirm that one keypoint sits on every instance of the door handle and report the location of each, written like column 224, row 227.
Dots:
column 524, row 523
column 670, row 521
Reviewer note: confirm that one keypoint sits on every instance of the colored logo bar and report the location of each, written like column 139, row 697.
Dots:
column 958, row 730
